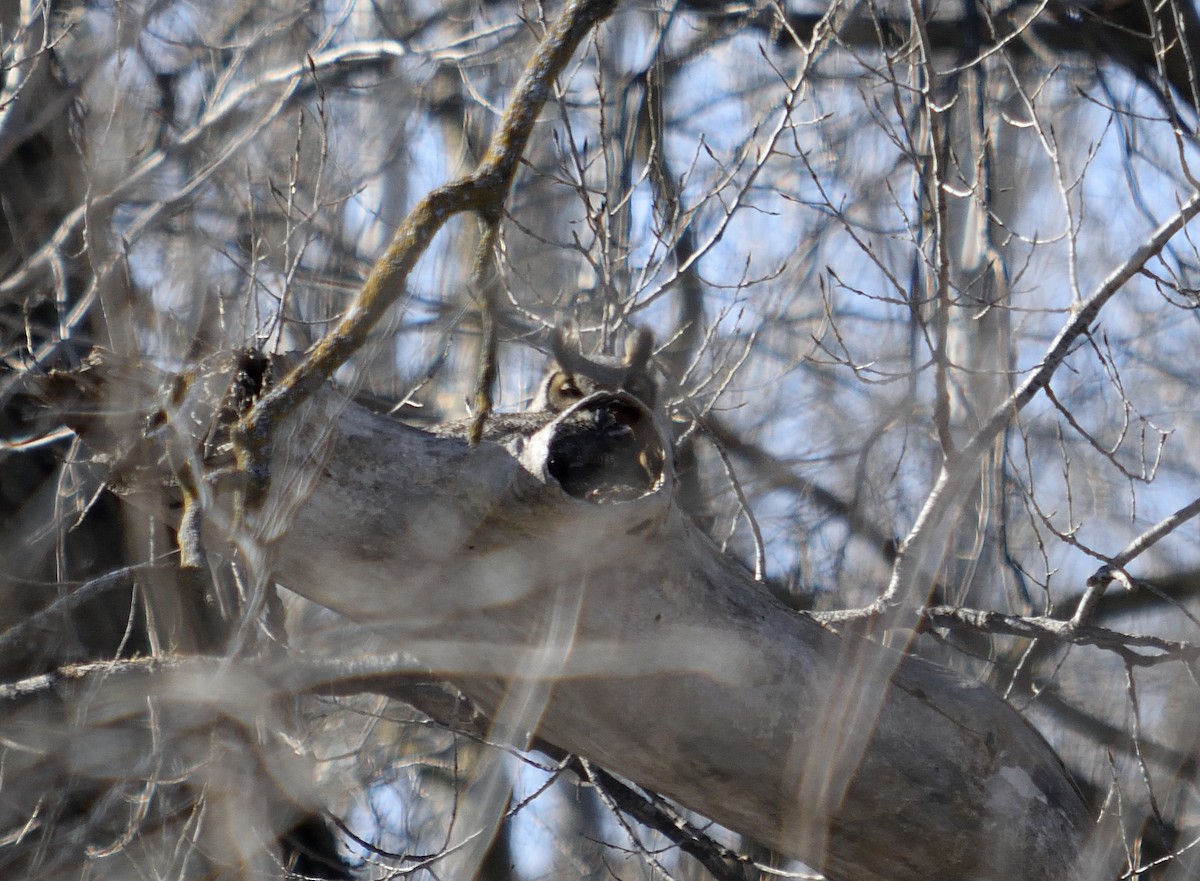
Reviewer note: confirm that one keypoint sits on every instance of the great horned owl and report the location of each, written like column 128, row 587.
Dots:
column 574, row 375
column 611, row 451
column 607, row 450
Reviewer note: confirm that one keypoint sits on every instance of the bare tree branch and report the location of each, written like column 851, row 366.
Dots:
column 484, row 191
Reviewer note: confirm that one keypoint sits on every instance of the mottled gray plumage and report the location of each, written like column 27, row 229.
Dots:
column 575, row 375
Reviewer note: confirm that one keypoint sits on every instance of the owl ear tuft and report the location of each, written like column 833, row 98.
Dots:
column 564, row 341
column 638, row 347
column 567, row 348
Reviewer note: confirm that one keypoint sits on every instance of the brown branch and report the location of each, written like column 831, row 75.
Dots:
column 487, row 369
column 55, row 680
column 483, row 190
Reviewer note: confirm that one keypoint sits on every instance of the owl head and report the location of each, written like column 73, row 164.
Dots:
column 574, row 375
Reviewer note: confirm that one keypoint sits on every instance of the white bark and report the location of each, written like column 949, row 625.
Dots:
column 642, row 648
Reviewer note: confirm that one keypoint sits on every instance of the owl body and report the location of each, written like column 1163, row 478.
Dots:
column 574, row 375
column 607, row 450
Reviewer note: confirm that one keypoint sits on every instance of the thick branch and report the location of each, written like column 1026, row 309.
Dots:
column 640, row 647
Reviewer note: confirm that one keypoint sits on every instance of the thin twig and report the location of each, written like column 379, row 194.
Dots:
column 945, row 490
column 1114, row 569
column 1155, row 532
